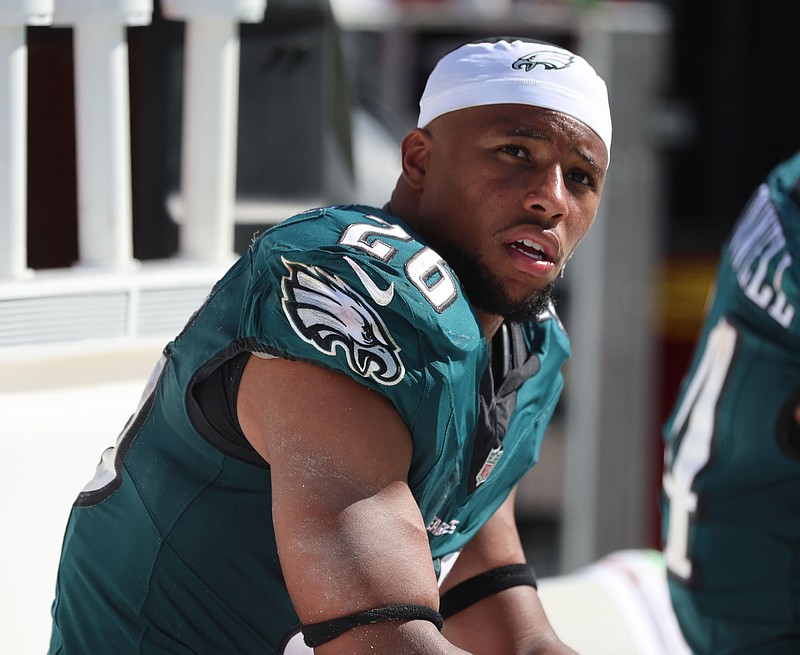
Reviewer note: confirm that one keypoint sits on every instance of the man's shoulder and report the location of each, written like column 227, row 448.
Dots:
column 363, row 248
column 782, row 188
column 321, row 226
column 354, row 281
column 759, row 275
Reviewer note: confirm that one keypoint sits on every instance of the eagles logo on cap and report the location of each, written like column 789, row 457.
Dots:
column 547, row 59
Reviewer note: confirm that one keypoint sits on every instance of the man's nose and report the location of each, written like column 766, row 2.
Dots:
column 547, row 195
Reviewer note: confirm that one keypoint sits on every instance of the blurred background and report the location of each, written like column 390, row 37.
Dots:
column 143, row 144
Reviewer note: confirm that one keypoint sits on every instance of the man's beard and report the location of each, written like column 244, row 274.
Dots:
column 486, row 292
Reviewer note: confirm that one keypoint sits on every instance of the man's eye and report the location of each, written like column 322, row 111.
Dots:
column 515, row 151
column 582, row 178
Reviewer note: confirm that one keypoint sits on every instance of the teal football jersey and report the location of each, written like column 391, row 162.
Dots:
column 170, row 547
column 731, row 519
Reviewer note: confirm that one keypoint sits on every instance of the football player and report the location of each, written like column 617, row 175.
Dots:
column 732, row 479
column 347, row 416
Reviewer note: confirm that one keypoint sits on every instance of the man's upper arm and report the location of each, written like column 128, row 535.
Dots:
column 349, row 534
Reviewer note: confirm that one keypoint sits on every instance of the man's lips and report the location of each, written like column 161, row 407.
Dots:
column 534, row 254
column 530, row 248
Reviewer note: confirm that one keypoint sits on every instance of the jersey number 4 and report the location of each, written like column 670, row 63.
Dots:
column 694, row 426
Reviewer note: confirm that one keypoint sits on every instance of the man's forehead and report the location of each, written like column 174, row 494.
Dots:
column 503, row 116
column 524, row 121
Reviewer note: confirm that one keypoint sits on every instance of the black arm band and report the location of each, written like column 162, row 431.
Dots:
column 485, row 584
column 317, row 634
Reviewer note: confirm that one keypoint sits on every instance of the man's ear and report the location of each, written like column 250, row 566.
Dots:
column 415, row 151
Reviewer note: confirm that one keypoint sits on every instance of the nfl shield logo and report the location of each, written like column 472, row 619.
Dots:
column 488, row 465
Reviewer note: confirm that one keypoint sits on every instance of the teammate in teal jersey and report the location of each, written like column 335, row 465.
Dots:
column 346, row 417
column 732, row 480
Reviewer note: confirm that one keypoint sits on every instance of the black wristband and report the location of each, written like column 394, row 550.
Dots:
column 485, row 584
column 317, row 634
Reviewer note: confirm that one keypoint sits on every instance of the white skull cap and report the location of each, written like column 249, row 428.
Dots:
column 517, row 71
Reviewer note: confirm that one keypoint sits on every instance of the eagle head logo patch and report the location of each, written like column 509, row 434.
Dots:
column 547, row 59
column 329, row 314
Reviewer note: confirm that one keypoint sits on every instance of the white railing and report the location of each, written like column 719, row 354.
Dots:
column 15, row 15
column 102, row 125
column 106, row 267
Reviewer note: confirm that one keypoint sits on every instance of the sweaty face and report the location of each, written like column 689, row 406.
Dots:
column 506, row 194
